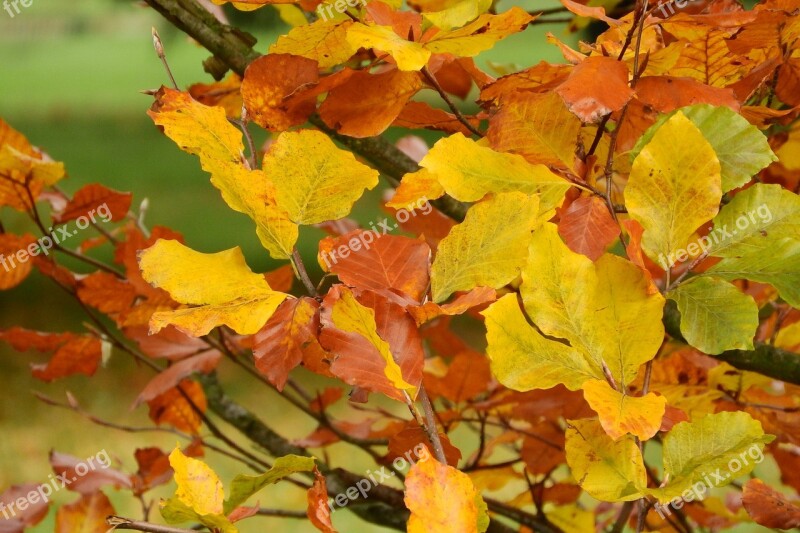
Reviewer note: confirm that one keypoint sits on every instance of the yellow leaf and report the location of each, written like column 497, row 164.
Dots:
column 675, row 186
column 223, row 287
column 621, row 414
column 206, row 132
column 611, row 471
column 199, row 488
column 408, row 55
column 488, row 248
column 603, row 309
column 480, row 35
column 416, row 186
column 458, row 14
column 468, row 171
column 314, row 180
column 522, row 359
column 442, row 499
column 350, row 316
column 322, row 40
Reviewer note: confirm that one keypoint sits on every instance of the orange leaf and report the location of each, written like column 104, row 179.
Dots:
column 106, row 292
column 370, row 260
column 405, row 444
column 318, row 511
column 441, row 499
column 769, row 507
column 97, row 203
column 269, row 81
column 367, row 104
column 587, row 227
column 278, row 347
column 14, row 271
column 596, row 87
column 173, row 409
column 204, row 362
column 225, row 94
column 87, row 515
column 74, row 354
column 467, row 376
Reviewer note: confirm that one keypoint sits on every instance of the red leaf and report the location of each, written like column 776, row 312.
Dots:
column 204, row 362
column 318, row 511
column 405, row 444
column 769, row 507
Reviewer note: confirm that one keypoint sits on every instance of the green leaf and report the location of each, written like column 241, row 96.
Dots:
column 244, row 486
column 715, row 315
column 708, row 451
column 741, row 147
column 609, row 470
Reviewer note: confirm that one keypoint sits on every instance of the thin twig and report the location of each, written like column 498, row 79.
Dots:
column 119, row 522
column 461, row 118
column 430, row 425
column 302, row 274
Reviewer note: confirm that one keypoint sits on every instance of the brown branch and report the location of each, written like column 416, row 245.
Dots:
column 119, row 522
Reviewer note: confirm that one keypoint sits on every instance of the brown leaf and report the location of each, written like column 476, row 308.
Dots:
column 269, row 81
column 370, row 260
column 204, row 362
column 769, row 507
column 97, row 474
column 97, row 203
column 87, row 515
column 318, row 511
column 154, row 469
column 587, row 227
column 169, row 343
column 173, row 409
column 278, row 346
column 416, row 115
column 467, row 376
column 543, row 448
column 597, row 86
column 665, row 93
column 367, row 104
column 106, row 292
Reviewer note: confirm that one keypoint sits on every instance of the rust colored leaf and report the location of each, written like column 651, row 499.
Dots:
column 357, row 361
column 367, row 104
column 226, row 94
column 98, row 475
column 87, row 515
column 13, row 271
column 97, row 203
column 665, row 93
column 587, row 227
column 318, row 511
column 281, row 279
column 596, row 87
column 369, row 260
column 74, row 354
column 405, row 445
column 769, row 507
column 543, row 448
column 204, row 362
column 278, row 347
column 154, row 469
column 467, row 376
column 269, row 81
column 106, row 293
column 420, row 115
column 173, row 409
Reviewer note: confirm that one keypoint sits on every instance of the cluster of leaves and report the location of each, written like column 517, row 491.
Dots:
column 625, row 228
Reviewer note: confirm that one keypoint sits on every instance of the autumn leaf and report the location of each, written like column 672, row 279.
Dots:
column 442, row 499
column 12, row 248
column 589, row 98
column 324, row 41
column 588, row 227
column 72, row 354
column 488, row 248
column 231, row 295
column 318, row 511
column 768, row 507
column 244, row 486
column 87, row 515
column 622, row 414
column 97, row 202
column 321, row 184
column 173, row 407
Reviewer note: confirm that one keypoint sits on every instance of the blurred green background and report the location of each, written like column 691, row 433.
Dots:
column 70, row 79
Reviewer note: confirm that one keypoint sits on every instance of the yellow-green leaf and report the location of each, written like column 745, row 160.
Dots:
column 481, row 34
column 713, row 451
column 522, row 359
column 715, row 315
column 221, row 285
column 468, row 171
column 621, row 414
column 604, row 310
column 244, row 486
column 488, row 248
column 458, row 14
column 609, row 470
column 199, row 488
column 409, row 55
column 323, row 40
column 314, row 180
column 673, row 188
